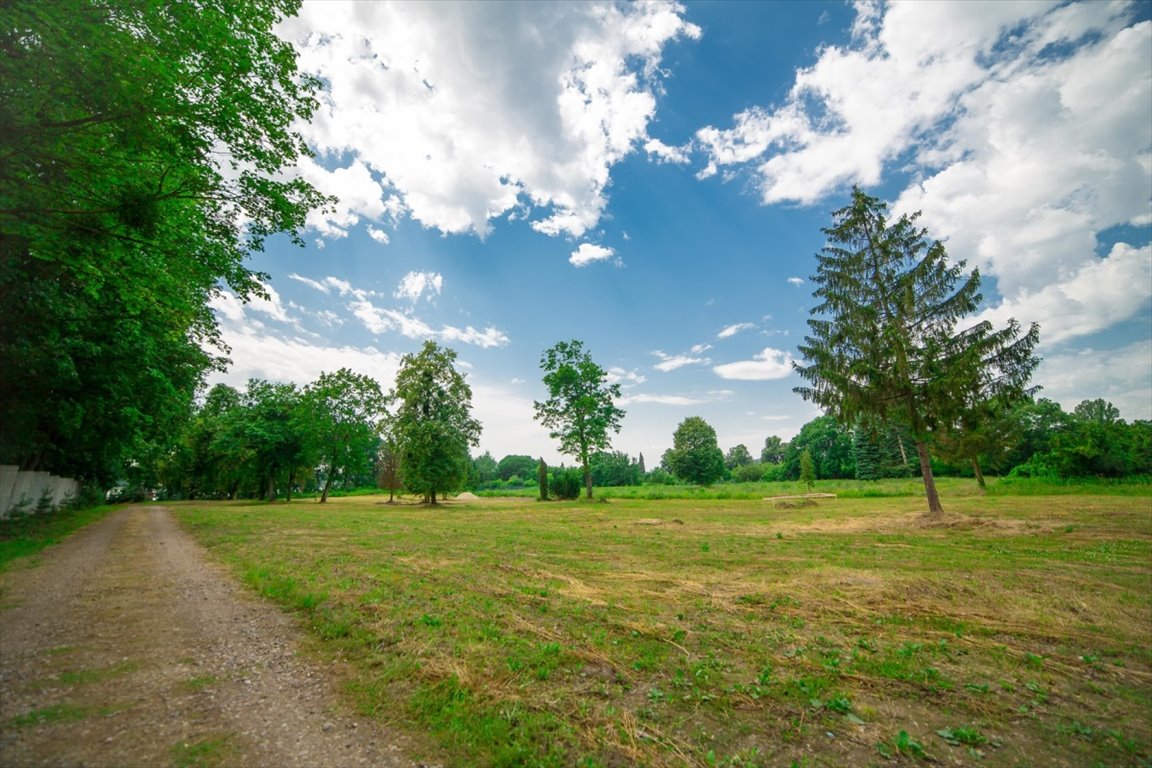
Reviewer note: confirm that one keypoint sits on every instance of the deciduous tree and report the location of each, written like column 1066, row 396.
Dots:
column 695, row 455
column 342, row 415
column 433, row 425
column 580, row 410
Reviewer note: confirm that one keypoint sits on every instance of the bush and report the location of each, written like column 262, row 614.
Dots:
column 566, row 483
column 748, row 473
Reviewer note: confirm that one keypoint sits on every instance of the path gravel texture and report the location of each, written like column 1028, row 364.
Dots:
column 125, row 646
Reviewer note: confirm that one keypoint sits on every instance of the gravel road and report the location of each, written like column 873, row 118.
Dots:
column 124, row 646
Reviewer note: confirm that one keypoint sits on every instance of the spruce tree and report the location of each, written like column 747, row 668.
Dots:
column 885, row 344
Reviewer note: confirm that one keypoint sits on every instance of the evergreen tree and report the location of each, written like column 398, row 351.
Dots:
column 884, row 344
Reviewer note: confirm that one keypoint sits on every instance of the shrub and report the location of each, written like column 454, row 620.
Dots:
column 566, row 483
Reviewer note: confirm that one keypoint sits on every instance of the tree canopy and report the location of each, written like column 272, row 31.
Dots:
column 580, row 410
column 886, row 343
column 144, row 152
column 433, row 426
column 695, row 455
column 342, row 416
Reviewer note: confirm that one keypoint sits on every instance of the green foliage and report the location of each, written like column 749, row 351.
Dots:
column 807, row 470
column 137, row 172
column 774, row 450
column 830, row 445
column 566, row 483
column 580, row 410
column 737, row 456
column 883, row 344
column 342, row 415
column 542, row 480
column 695, row 455
column 520, row 466
column 615, row 468
column 433, row 427
column 749, row 473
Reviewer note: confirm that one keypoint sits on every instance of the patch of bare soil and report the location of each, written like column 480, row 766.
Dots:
column 124, row 646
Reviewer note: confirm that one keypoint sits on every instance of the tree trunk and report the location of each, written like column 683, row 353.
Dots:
column 979, row 474
column 271, row 496
column 291, row 479
column 934, row 508
column 327, row 487
column 432, row 497
column 588, row 481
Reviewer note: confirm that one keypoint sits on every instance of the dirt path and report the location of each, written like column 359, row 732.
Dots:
column 125, row 647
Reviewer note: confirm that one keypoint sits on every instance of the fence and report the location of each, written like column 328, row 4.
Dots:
column 24, row 491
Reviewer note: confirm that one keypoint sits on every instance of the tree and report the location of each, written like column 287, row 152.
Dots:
column 433, row 424
column 388, row 473
column 144, row 152
column 737, row 456
column 580, row 410
column 830, row 445
column 342, row 413
column 613, row 468
column 773, row 450
column 515, row 465
column 807, row 470
column 884, row 344
column 542, row 480
column 483, row 470
column 695, row 455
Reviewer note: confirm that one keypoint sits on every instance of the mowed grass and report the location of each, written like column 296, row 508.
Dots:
column 725, row 632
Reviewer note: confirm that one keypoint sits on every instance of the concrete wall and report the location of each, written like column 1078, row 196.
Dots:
column 23, row 490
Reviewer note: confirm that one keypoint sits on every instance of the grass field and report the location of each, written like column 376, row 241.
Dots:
column 725, row 632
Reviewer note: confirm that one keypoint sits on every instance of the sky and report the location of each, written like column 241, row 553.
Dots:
column 652, row 179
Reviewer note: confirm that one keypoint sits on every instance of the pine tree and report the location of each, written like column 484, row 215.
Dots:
column 884, row 344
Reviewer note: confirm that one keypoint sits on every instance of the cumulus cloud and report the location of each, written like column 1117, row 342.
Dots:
column 672, row 362
column 467, row 111
column 734, row 329
column 380, row 320
column 1101, row 293
column 664, row 153
column 416, row 285
column 766, row 365
column 796, row 280
column 1024, row 127
column 588, row 253
column 1072, row 377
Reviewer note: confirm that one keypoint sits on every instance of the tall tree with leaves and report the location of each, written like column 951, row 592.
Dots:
column 433, row 424
column 580, row 410
column 884, row 343
column 144, row 153
column 695, row 456
column 342, row 414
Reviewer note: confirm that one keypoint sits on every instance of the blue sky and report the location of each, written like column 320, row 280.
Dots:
column 652, row 179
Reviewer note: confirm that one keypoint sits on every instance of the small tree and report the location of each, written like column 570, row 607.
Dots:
column 580, row 410
column 542, row 479
column 433, row 424
column 807, row 470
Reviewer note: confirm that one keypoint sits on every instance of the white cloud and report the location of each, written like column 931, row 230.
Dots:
column 698, row 349
column 617, row 375
column 228, row 305
column 381, row 320
column 796, row 280
column 672, row 362
column 766, row 365
column 1101, row 293
column 414, row 285
column 588, row 253
column 308, row 281
column 358, row 195
column 378, row 235
column 1024, row 127
column 678, row 400
column 667, row 154
column 1120, row 376
column 734, row 329
column 466, row 111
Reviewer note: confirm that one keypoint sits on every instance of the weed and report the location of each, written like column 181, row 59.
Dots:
column 205, row 753
column 903, row 744
column 58, row 713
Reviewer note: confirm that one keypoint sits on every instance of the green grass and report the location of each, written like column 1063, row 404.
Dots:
column 725, row 632
column 30, row 534
column 58, row 713
column 207, row 752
